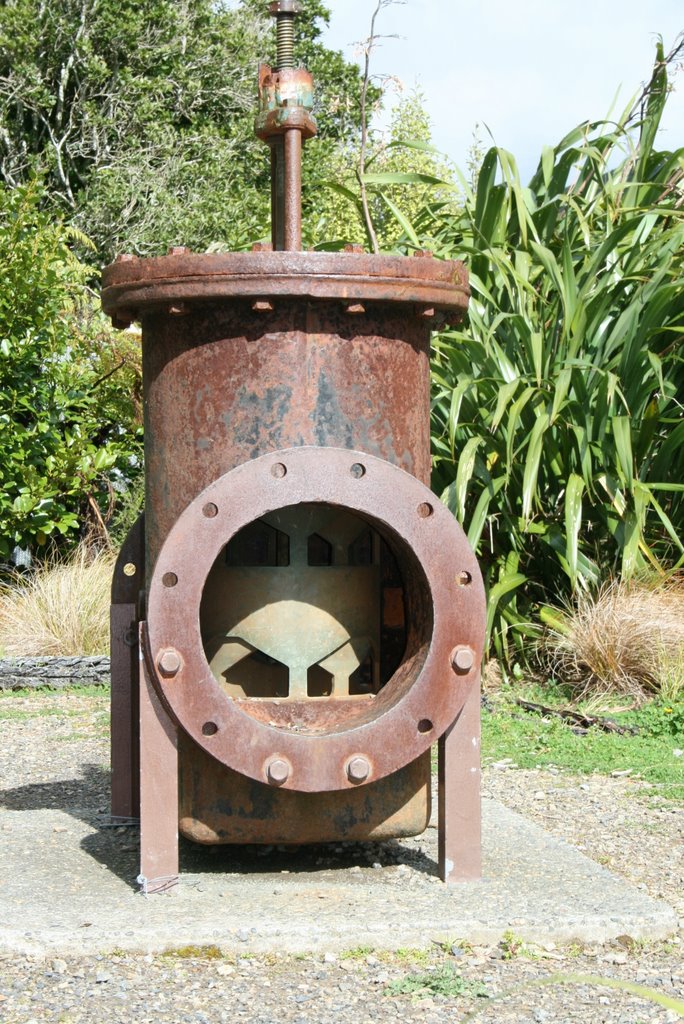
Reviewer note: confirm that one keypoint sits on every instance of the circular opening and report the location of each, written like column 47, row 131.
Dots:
column 169, row 579
column 425, row 509
column 210, row 728
column 210, row 510
column 425, row 725
column 315, row 605
column 464, row 578
column 129, row 569
column 278, row 470
column 358, row 470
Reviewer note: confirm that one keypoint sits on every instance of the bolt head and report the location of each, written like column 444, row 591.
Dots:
column 358, row 769
column 462, row 658
column 179, row 309
column 125, row 257
column 178, row 250
column 131, row 638
column 169, row 662
column 121, row 323
column 277, row 771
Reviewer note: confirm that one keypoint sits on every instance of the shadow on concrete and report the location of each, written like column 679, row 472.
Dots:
column 82, row 797
column 319, row 857
column 86, row 798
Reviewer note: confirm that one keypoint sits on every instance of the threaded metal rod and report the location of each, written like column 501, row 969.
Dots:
column 285, row 40
column 284, row 12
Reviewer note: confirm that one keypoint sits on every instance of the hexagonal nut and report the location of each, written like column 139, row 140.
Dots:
column 169, row 662
column 462, row 659
column 277, row 771
column 358, row 769
column 283, row 7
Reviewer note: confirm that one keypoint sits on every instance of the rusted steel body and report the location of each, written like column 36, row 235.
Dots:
column 316, row 363
column 244, row 381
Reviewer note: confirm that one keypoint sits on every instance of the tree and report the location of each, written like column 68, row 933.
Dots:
column 139, row 114
column 67, row 422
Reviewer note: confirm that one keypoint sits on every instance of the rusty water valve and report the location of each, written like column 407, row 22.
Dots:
column 311, row 617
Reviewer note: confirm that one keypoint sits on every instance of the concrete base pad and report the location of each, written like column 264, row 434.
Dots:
column 68, row 886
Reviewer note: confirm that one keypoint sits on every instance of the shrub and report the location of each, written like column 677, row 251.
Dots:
column 558, row 436
column 69, row 388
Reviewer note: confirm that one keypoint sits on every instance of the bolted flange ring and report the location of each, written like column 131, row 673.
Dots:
column 323, row 752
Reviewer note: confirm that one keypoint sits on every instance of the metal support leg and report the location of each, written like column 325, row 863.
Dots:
column 158, row 789
column 129, row 572
column 460, row 854
column 125, row 741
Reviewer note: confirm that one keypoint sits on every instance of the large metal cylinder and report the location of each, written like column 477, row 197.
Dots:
column 305, row 591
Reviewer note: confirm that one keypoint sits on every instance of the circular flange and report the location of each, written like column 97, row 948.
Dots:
column 425, row 688
column 133, row 285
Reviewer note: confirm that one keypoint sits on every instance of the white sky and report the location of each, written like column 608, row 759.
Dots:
column 529, row 70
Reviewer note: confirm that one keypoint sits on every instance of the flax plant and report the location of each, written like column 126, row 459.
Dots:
column 558, row 433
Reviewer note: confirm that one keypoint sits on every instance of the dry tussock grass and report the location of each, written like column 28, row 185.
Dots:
column 627, row 639
column 60, row 609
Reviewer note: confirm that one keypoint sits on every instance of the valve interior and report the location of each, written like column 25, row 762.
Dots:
column 305, row 603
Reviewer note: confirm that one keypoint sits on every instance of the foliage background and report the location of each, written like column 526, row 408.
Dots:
column 557, row 418
column 558, row 429
column 69, row 386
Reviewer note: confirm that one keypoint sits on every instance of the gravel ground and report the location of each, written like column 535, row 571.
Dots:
column 59, row 743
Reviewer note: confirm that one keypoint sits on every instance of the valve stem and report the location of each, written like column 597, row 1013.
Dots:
column 284, row 12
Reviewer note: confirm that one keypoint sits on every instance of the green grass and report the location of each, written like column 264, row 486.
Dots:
column 22, row 714
column 26, row 704
column 532, row 741
column 48, row 691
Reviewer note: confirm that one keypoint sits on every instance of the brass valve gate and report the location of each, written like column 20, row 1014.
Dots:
column 298, row 619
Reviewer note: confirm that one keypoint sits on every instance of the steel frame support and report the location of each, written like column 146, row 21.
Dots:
column 459, row 808
column 158, row 789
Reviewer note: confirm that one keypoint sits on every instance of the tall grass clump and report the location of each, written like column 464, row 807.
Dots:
column 61, row 608
column 558, row 426
column 625, row 639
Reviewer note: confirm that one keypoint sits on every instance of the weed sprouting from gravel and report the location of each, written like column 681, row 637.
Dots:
column 442, row 981
column 194, row 953
column 356, row 953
